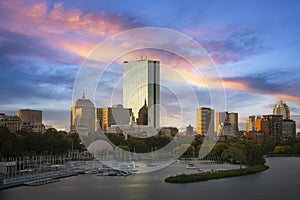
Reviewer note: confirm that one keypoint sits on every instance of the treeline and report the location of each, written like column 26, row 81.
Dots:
column 29, row 143
column 244, row 152
column 140, row 145
column 282, row 147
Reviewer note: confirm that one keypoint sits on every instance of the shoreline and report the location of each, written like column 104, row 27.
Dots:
column 282, row 155
column 189, row 178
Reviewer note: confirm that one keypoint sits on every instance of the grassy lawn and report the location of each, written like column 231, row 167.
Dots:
column 215, row 175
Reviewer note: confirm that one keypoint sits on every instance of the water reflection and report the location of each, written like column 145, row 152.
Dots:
column 281, row 181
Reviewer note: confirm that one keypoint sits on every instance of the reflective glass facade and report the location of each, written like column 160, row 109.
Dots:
column 141, row 80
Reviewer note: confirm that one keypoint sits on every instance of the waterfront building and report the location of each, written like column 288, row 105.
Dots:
column 205, row 119
column 31, row 120
column 141, row 81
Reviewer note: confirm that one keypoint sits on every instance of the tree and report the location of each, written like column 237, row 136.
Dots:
column 235, row 153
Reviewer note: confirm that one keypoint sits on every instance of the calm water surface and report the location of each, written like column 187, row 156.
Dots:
column 281, row 181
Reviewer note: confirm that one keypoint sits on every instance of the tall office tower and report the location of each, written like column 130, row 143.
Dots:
column 205, row 118
column 250, row 123
column 227, row 123
column 141, row 81
column 257, row 123
column 253, row 123
column 31, row 120
column 82, row 116
column 221, row 120
column 282, row 109
column 233, row 119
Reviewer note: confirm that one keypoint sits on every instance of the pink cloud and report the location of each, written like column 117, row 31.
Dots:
column 68, row 29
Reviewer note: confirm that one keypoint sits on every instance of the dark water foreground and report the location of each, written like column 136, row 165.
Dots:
column 281, row 181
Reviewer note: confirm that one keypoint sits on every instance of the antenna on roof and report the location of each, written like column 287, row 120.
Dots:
column 83, row 95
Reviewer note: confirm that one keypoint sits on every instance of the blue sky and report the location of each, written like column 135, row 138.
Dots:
column 255, row 45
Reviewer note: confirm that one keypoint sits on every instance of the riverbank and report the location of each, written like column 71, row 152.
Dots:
column 184, row 178
column 281, row 155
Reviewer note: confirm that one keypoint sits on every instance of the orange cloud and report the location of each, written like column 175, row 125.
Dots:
column 244, row 85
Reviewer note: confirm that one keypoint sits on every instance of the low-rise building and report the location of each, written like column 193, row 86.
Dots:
column 13, row 123
column 31, row 120
column 169, row 131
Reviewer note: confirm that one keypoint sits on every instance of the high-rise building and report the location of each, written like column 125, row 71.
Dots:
column 31, row 120
column 253, row 123
column 288, row 128
column 221, row 119
column 107, row 118
column 281, row 108
column 115, row 115
column 121, row 115
column 250, row 123
column 271, row 126
column 82, row 116
column 98, row 118
column 141, row 81
column 189, row 129
column 205, row 119
column 233, row 119
column 227, row 123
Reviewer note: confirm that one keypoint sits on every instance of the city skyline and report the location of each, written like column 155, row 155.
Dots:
column 254, row 54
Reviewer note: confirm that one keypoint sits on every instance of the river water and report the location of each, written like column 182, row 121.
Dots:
column 281, row 181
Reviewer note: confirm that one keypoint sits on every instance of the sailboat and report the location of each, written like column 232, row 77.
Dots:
column 153, row 163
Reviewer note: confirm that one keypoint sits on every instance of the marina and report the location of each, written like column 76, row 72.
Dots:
column 268, row 185
column 31, row 174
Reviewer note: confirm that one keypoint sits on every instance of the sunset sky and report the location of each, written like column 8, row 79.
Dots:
column 255, row 45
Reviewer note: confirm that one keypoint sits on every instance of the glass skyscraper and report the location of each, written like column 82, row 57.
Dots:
column 141, row 81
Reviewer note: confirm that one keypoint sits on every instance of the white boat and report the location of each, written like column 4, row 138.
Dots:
column 192, row 166
column 152, row 164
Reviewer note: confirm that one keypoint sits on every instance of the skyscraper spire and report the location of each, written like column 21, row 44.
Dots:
column 83, row 95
